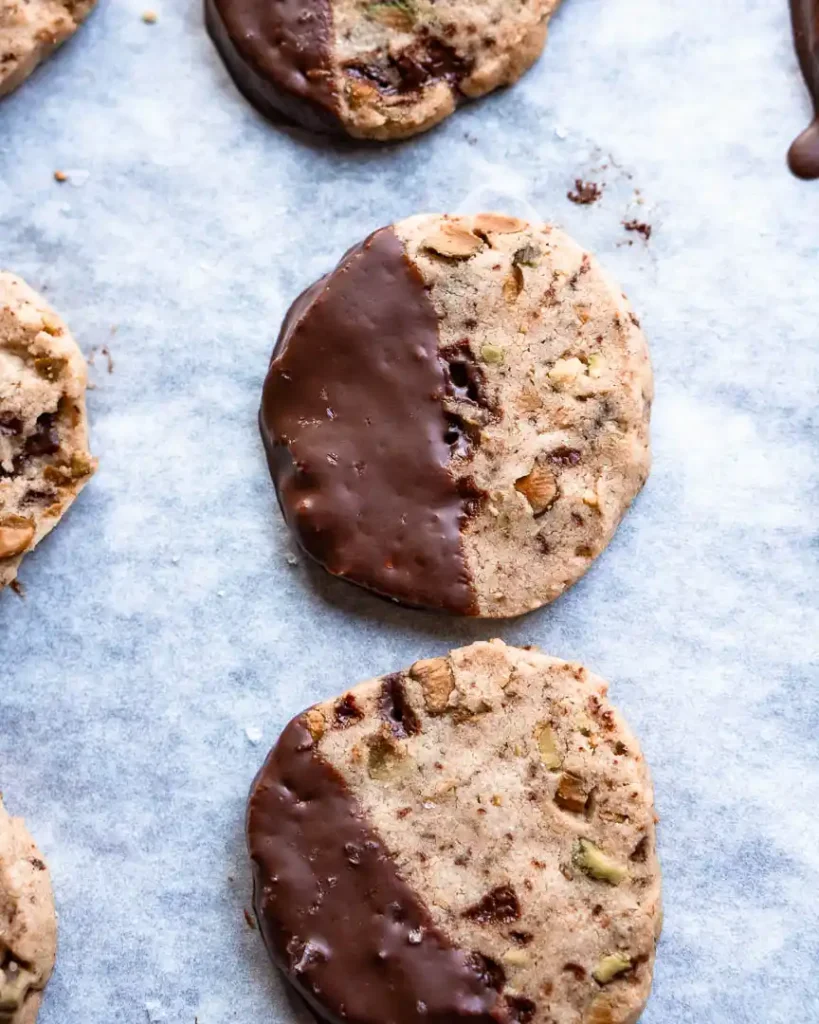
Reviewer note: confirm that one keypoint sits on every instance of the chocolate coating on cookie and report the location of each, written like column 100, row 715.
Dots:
column 803, row 157
column 373, row 70
column 335, row 915
column 356, row 433
column 277, row 52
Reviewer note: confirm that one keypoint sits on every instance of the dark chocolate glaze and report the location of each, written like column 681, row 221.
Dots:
column 803, row 157
column 357, row 439
column 350, row 934
column 278, row 54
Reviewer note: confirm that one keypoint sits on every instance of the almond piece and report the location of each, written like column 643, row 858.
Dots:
column 16, row 534
column 539, row 488
column 571, row 794
column 437, row 682
column 454, row 241
column 498, row 223
column 600, row 1011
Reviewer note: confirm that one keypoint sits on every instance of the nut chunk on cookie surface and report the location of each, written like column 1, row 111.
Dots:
column 419, row 861
column 374, row 70
column 456, row 417
column 44, row 457
column 28, row 926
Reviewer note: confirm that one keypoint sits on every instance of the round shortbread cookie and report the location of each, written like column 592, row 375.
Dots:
column 28, row 925
column 30, row 30
column 383, row 70
column 472, row 839
column 457, row 416
column 44, row 457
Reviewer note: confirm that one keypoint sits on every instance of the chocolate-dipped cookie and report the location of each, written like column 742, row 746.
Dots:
column 457, row 416
column 468, row 840
column 44, row 457
column 383, row 70
column 28, row 925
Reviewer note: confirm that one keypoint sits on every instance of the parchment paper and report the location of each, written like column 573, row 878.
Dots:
column 166, row 637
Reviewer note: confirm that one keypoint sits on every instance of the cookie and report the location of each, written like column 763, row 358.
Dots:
column 470, row 839
column 457, row 416
column 44, row 457
column 383, row 70
column 28, row 926
column 30, row 30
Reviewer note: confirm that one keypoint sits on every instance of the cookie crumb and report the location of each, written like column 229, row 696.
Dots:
column 640, row 227
column 149, row 17
column 585, row 192
column 60, row 176
column 249, row 919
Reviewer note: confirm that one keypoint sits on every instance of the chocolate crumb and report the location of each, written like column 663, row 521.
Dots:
column 500, row 904
column 638, row 226
column 585, row 193
column 347, row 712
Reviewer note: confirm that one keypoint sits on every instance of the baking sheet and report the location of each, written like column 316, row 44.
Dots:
column 166, row 637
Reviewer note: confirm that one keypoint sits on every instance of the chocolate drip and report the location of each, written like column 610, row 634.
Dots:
column 278, row 54
column 357, row 439
column 803, row 157
column 350, row 934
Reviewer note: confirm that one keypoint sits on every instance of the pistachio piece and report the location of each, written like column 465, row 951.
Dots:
column 397, row 14
column 81, row 465
column 571, row 793
column 527, row 256
column 539, row 487
column 437, row 682
column 491, row 354
column 385, row 758
column 596, row 365
column 597, row 864
column 608, row 967
column 51, row 325
column 498, row 223
column 454, row 241
column 547, row 746
column 16, row 533
column 50, row 367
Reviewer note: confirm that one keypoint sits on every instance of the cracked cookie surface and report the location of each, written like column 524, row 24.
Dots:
column 472, row 837
column 28, row 925
column 457, row 416
column 30, row 30
column 44, row 457
column 383, row 70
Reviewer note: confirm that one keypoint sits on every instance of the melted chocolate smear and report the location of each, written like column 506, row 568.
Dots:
column 803, row 157
column 357, row 439
column 278, row 53
column 395, row 708
column 427, row 60
column 350, row 934
column 346, row 712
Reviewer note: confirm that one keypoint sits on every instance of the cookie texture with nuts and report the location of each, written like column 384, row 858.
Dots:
column 457, row 417
column 28, row 926
column 44, row 457
column 471, row 838
column 375, row 70
column 30, row 30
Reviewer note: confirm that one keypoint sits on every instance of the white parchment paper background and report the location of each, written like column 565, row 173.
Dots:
column 163, row 619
